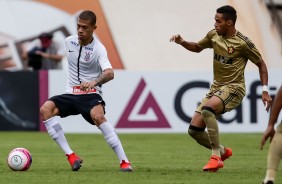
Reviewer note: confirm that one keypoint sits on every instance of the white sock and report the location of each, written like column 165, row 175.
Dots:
column 216, row 151
column 222, row 149
column 56, row 132
column 113, row 141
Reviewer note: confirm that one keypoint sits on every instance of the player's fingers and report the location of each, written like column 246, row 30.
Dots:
column 268, row 105
column 270, row 139
column 87, row 90
column 267, row 108
column 85, row 85
column 264, row 102
column 172, row 39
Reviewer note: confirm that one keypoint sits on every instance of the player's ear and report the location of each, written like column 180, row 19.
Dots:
column 94, row 27
column 229, row 22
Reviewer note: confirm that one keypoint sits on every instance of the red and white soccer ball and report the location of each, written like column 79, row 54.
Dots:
column 19, row 159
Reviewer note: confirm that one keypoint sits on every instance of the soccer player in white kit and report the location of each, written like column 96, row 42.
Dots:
column 88, row 68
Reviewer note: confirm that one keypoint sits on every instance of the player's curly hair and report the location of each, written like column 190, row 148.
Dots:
column 229, row 13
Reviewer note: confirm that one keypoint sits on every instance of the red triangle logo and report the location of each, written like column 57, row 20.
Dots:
column 149, row 103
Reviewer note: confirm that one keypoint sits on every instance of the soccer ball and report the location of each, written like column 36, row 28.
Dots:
column 19, row 159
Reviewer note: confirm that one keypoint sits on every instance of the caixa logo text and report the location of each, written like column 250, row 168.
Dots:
column 253, row 95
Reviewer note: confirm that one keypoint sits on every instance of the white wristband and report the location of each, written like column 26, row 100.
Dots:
column 265, row 88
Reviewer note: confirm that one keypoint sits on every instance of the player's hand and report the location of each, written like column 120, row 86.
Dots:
column 267, row 100
column 86, row 86
column 177, row 39
column 269, row 133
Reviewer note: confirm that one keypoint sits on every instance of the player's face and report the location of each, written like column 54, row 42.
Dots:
column 221, row 24
column 85, row 30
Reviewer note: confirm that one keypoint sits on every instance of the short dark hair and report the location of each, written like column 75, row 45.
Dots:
column 88, row 15
column 229, row 13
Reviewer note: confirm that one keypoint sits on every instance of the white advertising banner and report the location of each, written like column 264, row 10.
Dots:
column 164, row 102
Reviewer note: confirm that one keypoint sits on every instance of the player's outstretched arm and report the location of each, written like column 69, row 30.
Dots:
column 275, row 110
column 191, row 46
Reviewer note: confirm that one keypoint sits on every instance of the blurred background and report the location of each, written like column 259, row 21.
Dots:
column 158, row 84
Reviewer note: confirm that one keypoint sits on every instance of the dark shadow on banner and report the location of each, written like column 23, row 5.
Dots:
column 19, row 101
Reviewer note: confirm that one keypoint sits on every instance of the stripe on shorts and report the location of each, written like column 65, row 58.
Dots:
column 230, row 98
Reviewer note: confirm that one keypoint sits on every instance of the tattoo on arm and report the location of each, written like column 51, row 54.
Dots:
column 106, row 76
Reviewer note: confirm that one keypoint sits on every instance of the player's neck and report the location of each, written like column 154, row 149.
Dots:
column 86, row 42
column 231, row 33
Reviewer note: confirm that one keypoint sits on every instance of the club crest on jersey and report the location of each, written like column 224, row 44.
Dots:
column 87, row 56
column 230, row 50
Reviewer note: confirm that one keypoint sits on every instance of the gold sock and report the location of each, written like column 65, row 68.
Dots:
column 200, row 135
column 212, row 126
column 202, row 138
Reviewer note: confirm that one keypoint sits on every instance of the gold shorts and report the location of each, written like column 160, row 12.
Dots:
column 229, row 95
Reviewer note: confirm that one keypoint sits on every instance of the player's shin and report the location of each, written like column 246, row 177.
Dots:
column 202, row 138
column 55, row 130
column 113, row 140
column 212, row 127
column 200, row 135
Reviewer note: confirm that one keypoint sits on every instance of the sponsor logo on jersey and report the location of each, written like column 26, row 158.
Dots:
column 223, row 59
column 88, row 48
column 74, row 43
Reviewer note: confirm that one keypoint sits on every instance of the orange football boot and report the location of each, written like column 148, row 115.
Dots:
column 125, row 166
column 214, row 164
column 227, row 154
column 74, row 161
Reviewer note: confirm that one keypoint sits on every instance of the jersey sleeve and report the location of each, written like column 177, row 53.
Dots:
column 251, row 52
column 206, row 42
column 103, row 59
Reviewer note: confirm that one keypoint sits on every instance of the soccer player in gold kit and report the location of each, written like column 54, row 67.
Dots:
column 232, row 50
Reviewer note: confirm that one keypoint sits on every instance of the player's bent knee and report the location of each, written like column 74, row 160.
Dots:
column 99, row 119
column 207, row 111
column 47, row 111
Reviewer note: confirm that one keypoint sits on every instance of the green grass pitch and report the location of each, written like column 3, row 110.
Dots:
column 156, row 159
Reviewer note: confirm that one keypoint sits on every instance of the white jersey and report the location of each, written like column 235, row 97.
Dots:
column 85, row 63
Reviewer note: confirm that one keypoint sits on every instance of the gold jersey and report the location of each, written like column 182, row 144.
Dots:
column 230, row 58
